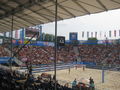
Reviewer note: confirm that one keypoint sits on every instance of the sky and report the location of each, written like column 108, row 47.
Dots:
column 100, row 23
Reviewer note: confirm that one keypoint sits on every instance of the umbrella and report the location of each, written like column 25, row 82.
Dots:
column 84, row 80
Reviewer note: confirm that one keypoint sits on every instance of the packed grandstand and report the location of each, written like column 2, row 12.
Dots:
column 44, row 55
column 19, row 62
column 87, row 53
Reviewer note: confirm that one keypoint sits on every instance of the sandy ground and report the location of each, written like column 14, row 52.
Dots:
column 112, row 78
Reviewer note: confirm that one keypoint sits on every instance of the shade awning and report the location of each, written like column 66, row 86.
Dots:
column 34, row 12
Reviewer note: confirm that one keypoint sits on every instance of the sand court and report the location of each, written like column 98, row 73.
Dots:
column 112, row 78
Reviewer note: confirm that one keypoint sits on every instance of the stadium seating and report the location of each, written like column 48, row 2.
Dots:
column 45, row 55
column 107, row 54
column 3, row 53
column 99, row 54
column 12, row 80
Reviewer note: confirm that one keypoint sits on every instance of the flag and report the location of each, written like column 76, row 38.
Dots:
column 119, row 32
column 4, row 34
column 82, row 34
column 96, row 34
column 100, row 34
column 87, row 34
column 105, row 34
column 20, row 34
column 109, row 33
column 91, row 34
column 115, row 33
column 16, row 34
column 9, row 34
column 43, row 36
column 40, row 32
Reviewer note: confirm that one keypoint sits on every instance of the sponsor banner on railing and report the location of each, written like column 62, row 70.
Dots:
column 4, row 60
column 42, row 43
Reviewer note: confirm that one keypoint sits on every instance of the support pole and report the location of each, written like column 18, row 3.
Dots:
column 103, row 64
column 23, row 35
column 4, row 37
column 11, row 43
column 103, row 73
column 55, row 43
column 40, row 32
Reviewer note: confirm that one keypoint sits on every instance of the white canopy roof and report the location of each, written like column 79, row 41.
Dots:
column 34, row 12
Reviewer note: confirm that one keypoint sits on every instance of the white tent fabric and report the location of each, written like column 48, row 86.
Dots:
column 34, row 12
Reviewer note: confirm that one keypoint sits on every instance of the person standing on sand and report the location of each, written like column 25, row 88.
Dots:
column 69, row 70
column 83, row 67
column 92, row 86
column 74, row 84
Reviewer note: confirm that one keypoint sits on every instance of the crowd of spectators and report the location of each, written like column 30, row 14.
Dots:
column 83, row 86
column 100, row 54
column 13, row 80
column 3, row 53
column 45, row 55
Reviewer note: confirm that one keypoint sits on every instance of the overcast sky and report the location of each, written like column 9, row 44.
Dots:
column 100, row 22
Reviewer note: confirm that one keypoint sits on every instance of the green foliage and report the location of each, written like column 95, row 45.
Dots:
column 92, row 38
column 117, row 41
column 47, row 37
column 75, row 42
column 92, row 41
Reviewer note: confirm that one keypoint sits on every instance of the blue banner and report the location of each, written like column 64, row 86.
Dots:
column 4, row 60
column 42, row 43
column 73, row 36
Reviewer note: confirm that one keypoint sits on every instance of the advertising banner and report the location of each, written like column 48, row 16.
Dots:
column 31, row 31
column 73, row 36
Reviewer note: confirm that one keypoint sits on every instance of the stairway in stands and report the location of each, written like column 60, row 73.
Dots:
column 76, row 50
column 18, row 62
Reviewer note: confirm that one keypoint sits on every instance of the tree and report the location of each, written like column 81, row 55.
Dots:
column 117, row 41
column 47, row 37
column 92, row 41
column 75, row 42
